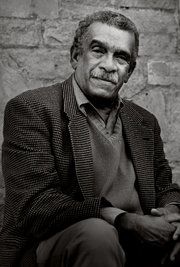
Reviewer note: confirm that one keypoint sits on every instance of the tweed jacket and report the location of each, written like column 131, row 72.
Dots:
column 48, row 166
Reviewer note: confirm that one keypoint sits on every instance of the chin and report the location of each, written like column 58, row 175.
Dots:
column 101, row 100
column 104, row 92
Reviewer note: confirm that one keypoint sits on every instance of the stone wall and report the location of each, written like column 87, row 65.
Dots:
column 35, row 37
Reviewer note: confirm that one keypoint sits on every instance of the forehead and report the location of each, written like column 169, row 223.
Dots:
column 110, row 36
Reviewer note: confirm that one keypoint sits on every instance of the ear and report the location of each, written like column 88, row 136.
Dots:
column 74, row 56
column 130, row 71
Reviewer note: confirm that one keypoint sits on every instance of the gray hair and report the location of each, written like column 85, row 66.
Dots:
column 112, row 19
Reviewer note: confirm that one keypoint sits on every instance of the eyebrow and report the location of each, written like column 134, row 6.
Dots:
column 106, row 45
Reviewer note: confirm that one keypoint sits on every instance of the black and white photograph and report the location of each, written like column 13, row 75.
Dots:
column 89, row 133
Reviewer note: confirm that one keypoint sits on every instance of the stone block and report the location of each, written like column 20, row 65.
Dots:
column 146, row 20
column 164, row 72
column 59, row 33
column 154, row 44
column 153, row 21
column 41, row 64
column 159, row 73
column 15, row 8
column 90, row 3
column 156, row 4
column 19, row 32
column 45, row 8
column 29, row 8
column 73, row 12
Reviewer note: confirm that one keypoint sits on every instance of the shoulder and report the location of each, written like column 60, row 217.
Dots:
column 147, row 116
column 50, row 97
column 141, row 110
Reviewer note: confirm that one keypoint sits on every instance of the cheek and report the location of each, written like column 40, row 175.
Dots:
column 92, row 63
column 84, row 70
column 123, row 72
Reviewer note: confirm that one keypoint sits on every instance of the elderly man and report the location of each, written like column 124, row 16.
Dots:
column 87, row 182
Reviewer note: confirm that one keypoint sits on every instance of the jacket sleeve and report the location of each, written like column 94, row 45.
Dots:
column 33, row 202
column 166, row 191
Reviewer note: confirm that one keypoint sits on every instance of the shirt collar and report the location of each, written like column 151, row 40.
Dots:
column 82, row 99
column 79, row 95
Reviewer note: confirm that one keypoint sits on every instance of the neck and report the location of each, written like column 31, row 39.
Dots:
column 101, row 103
column 103, row 106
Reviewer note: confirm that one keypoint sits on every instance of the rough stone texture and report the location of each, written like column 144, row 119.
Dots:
column 153, row 21
column 15, row 8
column 57, row 34
column 40, row 64
column 153, row 44
column 156, row 4
column 146, row 20
column 45, row 8
column 178, row 31
column 164, row 71
column 29, row 8
column 19, row 32
column 36, row 36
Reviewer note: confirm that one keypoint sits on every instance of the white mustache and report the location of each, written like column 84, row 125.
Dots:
column 110, row 77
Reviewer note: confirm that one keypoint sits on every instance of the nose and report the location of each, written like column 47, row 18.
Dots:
column 108, row 63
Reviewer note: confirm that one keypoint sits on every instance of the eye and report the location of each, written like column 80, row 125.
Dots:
column 98, row 50
column 122, row 58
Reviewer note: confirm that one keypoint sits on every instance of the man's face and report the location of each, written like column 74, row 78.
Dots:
column 104, row 63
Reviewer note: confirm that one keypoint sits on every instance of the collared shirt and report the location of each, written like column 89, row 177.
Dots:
column 87, row 108
column 114, row 172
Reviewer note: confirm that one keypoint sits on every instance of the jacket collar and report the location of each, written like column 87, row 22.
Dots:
column 70, row 104
column 80, row 140
column 140, row 142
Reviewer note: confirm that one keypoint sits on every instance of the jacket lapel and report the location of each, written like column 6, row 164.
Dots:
column 139, row 138
column 80, row 140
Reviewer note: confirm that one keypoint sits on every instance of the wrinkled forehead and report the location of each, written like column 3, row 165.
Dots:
column 110, row 36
